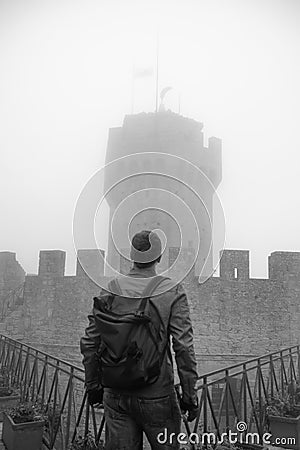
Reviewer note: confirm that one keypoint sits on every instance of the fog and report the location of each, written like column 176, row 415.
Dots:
column 70, row 70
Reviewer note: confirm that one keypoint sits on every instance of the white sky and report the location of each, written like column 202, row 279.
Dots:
column 66, row 77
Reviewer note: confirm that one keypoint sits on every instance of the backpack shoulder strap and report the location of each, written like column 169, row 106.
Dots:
column 115, row 289
column 152, row 285
column 149, row 289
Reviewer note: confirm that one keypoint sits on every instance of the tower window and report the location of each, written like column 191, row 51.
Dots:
column 235, row 273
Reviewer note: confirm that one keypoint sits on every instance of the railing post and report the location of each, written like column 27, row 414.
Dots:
column 55, row 387
column 69, row 413
column 45, row 379
column 19, row 369
column 205, row 424
column 260, row 396
column 298, row 363
column 227, row 381
column 281, row 373
column 3, row 352
column 1, row 346
column 25, row 375
column 291, row 390
column 34, row 375
column 271, row 376
column 7, row 357
column 12, row 360
column 245, row 392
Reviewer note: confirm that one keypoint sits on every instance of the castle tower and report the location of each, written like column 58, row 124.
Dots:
column 164, row 133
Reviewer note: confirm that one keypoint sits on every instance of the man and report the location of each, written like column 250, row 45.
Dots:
column 152, row 409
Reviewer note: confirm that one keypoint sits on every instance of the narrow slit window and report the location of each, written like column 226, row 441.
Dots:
column 235, row 273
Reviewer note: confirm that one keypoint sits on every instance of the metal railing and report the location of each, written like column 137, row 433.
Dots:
column 226, row 396
column 242, row 392
column 56, row 385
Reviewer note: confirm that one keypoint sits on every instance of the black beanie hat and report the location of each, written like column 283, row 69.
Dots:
column 145, row 247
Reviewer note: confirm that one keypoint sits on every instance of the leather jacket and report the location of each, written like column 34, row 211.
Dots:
column 169, row 302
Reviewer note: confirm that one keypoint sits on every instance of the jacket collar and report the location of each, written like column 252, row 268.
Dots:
column 145, row 272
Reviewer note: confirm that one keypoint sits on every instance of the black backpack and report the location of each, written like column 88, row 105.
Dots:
column 130, row 353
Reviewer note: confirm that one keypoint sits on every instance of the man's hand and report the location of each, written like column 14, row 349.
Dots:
column 191, row 408
column 95, row 396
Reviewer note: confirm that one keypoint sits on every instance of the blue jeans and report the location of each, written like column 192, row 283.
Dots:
column 127, row 417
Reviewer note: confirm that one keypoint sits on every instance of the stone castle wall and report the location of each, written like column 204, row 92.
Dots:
column 12, row 274
column 234, row 317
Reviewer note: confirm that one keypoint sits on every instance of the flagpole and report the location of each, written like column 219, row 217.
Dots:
column 132, row 89
column 156, row 93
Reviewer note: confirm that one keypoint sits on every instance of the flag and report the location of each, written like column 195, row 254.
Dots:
column 164, row 91
column 143, row 72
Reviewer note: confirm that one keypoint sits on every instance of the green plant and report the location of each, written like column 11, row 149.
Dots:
column 5, row 389
column 27, row 412
column 52, row 416
column 86, row 443
column 281, row 406
column 294, row 391
column 297, row 393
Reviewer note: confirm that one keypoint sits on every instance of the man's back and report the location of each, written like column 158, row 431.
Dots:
column 168, row 305
column 152, row 409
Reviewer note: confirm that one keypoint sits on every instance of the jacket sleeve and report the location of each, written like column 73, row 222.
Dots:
column 180, row 327
column 89, row 344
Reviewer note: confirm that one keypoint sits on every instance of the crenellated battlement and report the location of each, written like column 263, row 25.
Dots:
column 52, row 263
column 232, row 314
column 12, row 273
column 234, row 264
column 284, row 266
